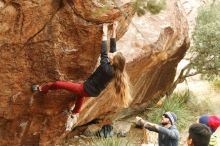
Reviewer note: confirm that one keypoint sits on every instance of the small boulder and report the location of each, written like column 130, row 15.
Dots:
column 121, row 128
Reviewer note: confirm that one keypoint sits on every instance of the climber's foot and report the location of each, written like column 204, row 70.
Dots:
column 71, row 121
column 35, row 88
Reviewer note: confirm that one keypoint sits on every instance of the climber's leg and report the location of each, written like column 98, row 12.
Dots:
column 74, row 115
column 78, row 105
column 76, row 88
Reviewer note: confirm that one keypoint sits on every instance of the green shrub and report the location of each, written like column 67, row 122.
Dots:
column 101, row 11
column 205, row 50
column 216, row 83
column 155, row 7
column 152, row 6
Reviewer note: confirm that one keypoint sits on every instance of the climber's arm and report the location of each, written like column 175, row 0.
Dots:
column 113, row 38
column 104, row 55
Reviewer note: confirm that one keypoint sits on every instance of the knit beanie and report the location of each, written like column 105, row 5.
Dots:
column 204, row 120
column 171, row 116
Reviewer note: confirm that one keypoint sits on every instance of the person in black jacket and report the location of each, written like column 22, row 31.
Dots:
column 111, row 68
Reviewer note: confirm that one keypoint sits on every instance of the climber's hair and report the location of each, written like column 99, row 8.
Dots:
column 120, row 81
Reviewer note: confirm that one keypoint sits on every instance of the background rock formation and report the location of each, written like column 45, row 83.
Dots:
column 42, row 41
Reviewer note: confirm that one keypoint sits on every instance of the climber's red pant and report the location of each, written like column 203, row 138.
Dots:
column 76, row 88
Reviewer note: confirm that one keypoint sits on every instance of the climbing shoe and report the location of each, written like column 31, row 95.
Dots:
column 35, row 88
column 71, row 121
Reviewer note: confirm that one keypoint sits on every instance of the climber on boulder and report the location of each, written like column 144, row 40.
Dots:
column 111, row 68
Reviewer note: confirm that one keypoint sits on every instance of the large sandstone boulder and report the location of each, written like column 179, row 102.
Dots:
column 49, row 40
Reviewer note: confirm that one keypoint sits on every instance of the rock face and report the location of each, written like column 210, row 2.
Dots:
column 49, row 40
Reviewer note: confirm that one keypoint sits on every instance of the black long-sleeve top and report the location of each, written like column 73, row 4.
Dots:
column 103, row 74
